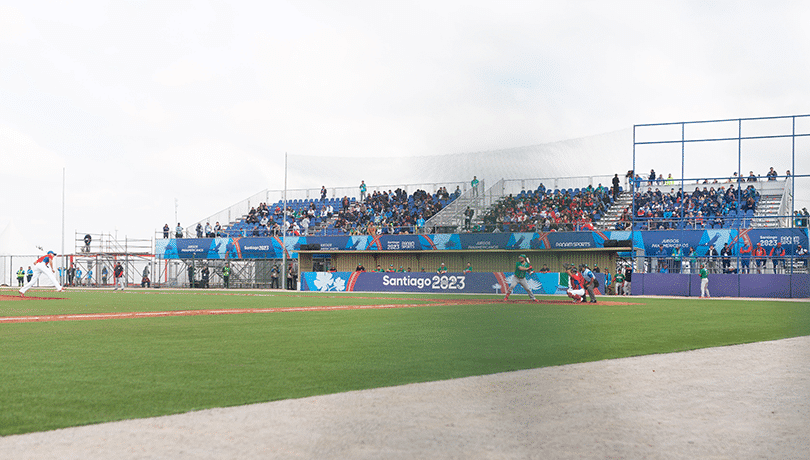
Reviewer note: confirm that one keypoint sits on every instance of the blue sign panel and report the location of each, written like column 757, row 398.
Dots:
column 483, row 241
column 467, row 283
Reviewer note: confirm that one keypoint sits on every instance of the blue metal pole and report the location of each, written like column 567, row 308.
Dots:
column 683, row 169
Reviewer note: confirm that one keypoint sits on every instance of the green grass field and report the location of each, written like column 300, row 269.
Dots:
column 67, row 373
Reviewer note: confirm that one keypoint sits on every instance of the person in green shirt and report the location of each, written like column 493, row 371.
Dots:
column 704, row 282
column 363, row 189
column 442, row 269
column 619, row 282
column 522, row 268
column 468, row 268
column 676, row 257
column 226, row 274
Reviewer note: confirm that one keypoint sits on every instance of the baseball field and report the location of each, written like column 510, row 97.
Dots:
column 93, row 356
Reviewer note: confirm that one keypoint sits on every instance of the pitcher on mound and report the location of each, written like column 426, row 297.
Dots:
column 43, row 266
column 522, row 268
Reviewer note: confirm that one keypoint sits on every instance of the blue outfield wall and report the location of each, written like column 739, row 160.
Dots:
column 723, row 285
column 432, row 283
column 655, row 243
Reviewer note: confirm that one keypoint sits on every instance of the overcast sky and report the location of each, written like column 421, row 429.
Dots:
column 145, row 102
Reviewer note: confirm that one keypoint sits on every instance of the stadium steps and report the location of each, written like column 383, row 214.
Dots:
column 767, row 210
column 614, row 212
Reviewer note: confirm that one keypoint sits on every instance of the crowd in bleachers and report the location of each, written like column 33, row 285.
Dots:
column 710, row 205
column 549, row 210
column 703, row 208
column 391, row 212
column 716, row 205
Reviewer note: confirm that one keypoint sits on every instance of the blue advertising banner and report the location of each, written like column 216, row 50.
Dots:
column 462, row 283
column 663, row 242
column 655, row 243
column 401, row 243
column 571, row 240
column 482, row 241
column 441, row 242
column 328, row 243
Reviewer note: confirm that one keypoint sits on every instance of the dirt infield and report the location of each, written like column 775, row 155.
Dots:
column 240, row 311
column 12, row 298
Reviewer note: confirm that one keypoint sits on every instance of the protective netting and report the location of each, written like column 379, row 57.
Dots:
column 602, row 154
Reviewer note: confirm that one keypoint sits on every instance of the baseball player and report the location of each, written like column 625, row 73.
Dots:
column 43, row 266
column 590, row 280
column 522, row 268
column 576, row 286
column 118, row 273
column 704, row 282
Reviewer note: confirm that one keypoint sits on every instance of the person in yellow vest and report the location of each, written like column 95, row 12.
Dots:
column 20, row 277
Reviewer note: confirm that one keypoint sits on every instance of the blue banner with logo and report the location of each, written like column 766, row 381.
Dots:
column 655, row 242
column 426, row 283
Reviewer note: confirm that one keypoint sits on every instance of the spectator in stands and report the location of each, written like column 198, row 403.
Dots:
column 777, row 256
column 759, row 257
column 752, row 177
column 166, row 231
column 801, row 256
column 615, row 186
column 468, row 215
column 711, row 259
column 178, row 231
column 651, row 179
column 771, row 174
column 474, row 186
column 363, row 189
column 323, row 192
column 725, row 253
column 676, row 260
column 745, row 257
column 199, row 230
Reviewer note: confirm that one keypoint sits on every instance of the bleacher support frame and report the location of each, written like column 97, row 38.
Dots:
column 684, row 141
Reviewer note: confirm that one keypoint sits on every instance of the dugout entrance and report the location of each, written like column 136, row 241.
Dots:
column 497, row 260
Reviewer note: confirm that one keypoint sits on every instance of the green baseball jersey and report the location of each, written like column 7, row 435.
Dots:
column 522, row 273
column 703, row 273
